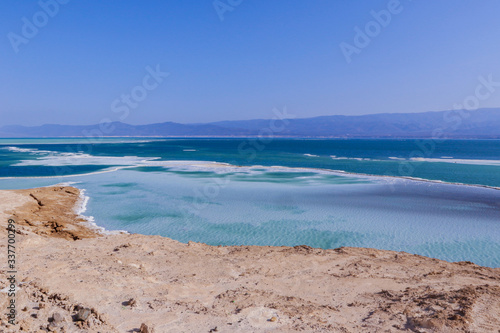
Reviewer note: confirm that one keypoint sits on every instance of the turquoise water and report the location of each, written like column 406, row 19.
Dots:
column 281, row 192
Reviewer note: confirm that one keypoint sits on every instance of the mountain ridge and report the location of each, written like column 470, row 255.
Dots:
column 480, row 123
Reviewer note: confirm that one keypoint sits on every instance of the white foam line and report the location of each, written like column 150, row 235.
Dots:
column 457, row 161
column 214, row 164
column 385, row 177
column 72, row 159
column 334, row 157
column 76, row 175
column 77, row 140
column 67, row 184
column 81, row 207
column 150, row 164
column 364, row 175
column 443, row 159
column 25, row 150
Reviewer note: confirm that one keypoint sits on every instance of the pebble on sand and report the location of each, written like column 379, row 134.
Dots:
column 83, row 314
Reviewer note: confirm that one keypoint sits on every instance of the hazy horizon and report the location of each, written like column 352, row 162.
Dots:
column 292, row 116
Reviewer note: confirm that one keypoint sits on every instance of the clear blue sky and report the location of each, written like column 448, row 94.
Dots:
column 264, row 54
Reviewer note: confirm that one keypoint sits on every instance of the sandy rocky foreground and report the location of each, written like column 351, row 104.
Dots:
column 74, row 280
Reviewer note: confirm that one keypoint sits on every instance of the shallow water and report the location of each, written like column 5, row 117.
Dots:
column 223, row 204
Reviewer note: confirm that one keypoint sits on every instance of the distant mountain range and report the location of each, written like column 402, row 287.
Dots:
column 481, row 123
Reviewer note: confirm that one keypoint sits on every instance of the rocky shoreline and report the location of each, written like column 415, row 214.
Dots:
column 71, row 278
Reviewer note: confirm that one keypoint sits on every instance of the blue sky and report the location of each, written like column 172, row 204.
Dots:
column 83, row 60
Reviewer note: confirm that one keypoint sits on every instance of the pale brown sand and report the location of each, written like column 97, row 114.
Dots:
column 199, row 288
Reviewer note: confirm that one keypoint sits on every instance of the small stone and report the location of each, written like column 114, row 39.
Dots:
column 57, row 318
column 41, row 305
column 146, row 329
column 83, row 314
column 132, row 302
column 273, row 319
